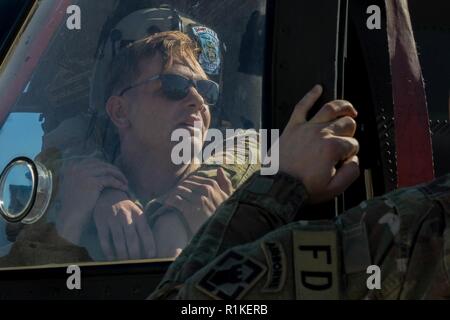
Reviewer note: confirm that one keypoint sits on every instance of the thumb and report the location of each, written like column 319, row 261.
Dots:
column 301, row 109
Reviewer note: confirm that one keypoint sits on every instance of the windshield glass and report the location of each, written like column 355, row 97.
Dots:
column 117, row 101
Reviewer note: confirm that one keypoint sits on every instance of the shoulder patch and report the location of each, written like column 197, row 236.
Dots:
column 210, row 49
column 316, row 263
column 277, row 268
column 231, row 277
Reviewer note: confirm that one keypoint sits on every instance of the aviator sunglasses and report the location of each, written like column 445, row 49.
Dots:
column 176, row 87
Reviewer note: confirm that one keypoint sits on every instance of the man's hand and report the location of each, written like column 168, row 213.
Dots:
column 197, row 198
column 119, row 218
column 321, row 152
column 81, row 185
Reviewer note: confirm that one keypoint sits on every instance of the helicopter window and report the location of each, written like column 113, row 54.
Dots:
column 26, row 143
column 64, row 92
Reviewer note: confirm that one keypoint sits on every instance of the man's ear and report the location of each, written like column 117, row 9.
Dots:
column 118, row 111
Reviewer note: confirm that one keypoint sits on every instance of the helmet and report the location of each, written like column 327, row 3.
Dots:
column 143, row 23
column 135, row 26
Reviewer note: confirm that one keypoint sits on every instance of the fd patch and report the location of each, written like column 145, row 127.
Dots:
column 316, row 263
column 276, row 260
column 210, row 49
column 231, row 277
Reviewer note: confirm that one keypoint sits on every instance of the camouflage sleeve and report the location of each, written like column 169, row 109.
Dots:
column 239, row 163
column 261, row 205
column 404, row 234
column 236, row 173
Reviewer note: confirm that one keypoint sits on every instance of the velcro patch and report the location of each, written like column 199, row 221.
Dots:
column 316, row 265
column 276, row 261
column 355, row 247
column 231, row 277
column 209, row 57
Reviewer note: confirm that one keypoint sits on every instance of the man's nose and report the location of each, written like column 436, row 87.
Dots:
column 194, row 99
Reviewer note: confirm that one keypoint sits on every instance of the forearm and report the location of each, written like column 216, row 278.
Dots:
column 170, row 234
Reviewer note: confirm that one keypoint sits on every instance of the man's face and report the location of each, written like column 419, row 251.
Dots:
column 153, row 117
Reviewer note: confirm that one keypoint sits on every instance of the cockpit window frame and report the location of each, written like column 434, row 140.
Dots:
column 122, row 265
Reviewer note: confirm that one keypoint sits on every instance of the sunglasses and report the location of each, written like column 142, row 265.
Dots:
column 176, row 87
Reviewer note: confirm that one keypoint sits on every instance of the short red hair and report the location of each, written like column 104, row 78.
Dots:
column 174, row 46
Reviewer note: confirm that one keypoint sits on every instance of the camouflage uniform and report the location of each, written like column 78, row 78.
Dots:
column 252, row 249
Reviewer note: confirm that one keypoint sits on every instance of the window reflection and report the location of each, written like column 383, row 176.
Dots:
column 21, row 135
column 65, row 77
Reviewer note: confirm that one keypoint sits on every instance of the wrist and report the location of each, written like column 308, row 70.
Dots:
column 281, row 194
